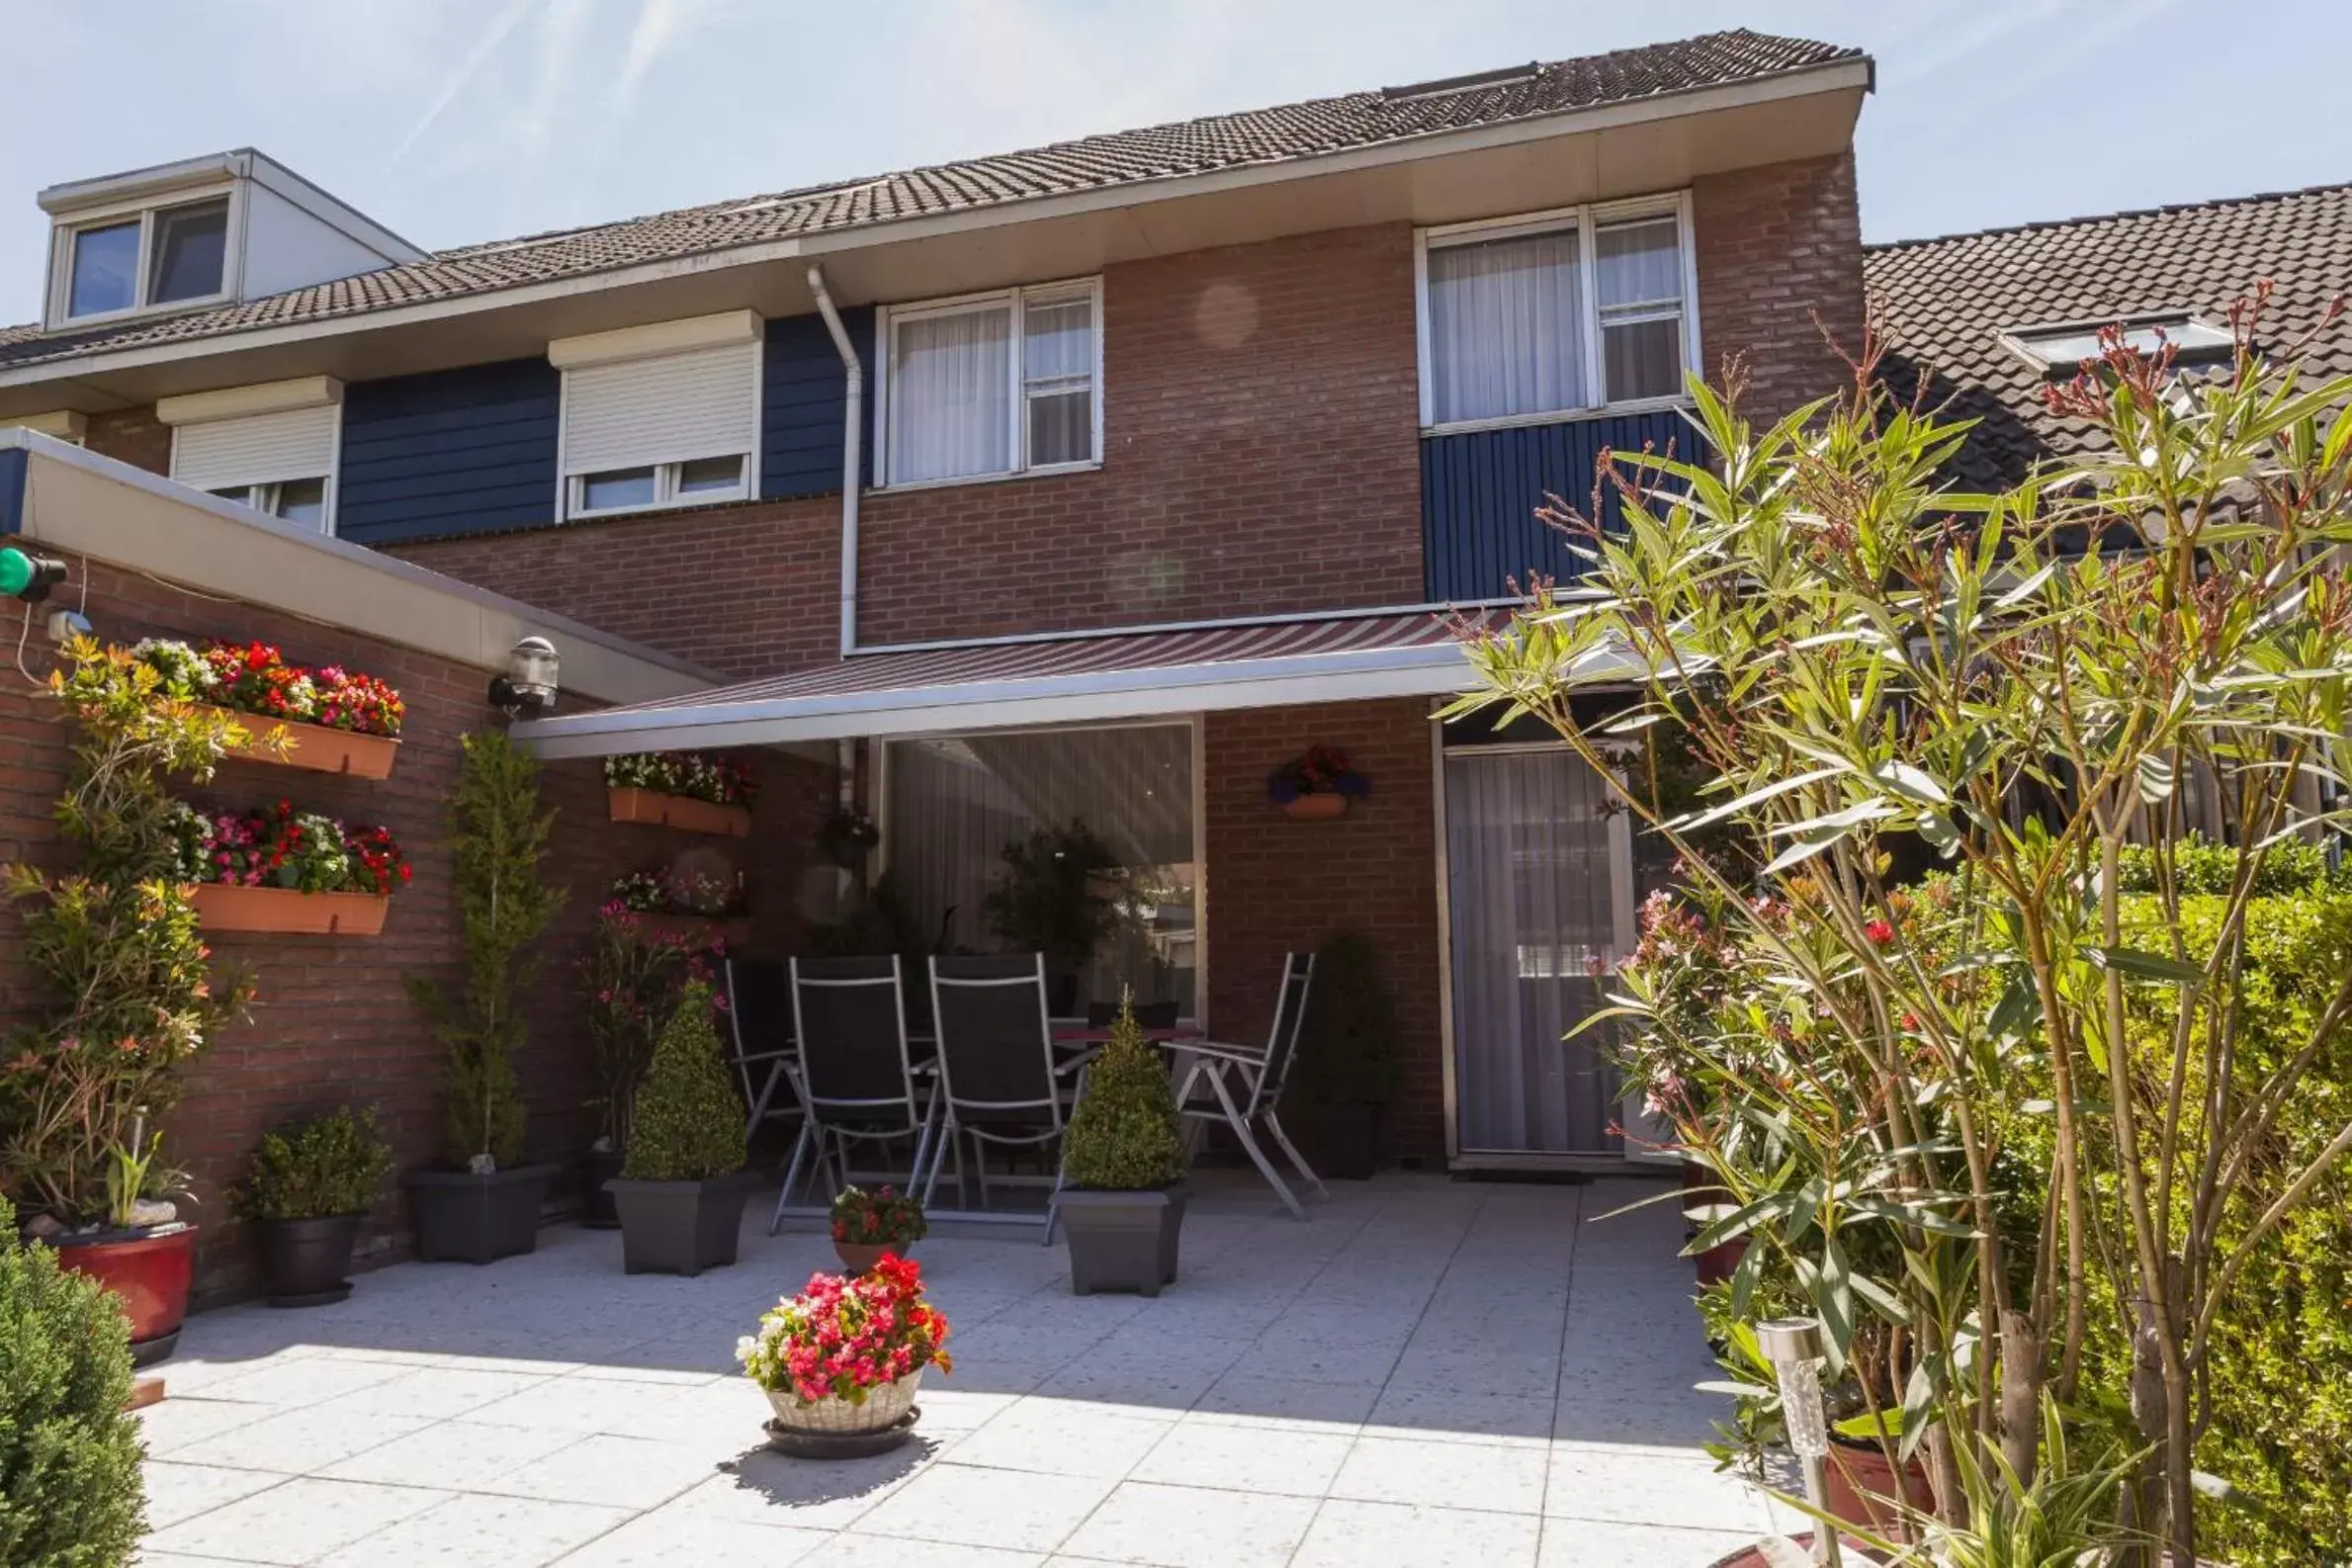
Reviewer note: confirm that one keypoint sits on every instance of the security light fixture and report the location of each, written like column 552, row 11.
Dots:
column 1794, row 1348
column 27, row 576
column 528, row 684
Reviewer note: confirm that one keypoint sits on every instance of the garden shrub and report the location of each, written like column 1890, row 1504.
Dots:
column 1124, row 1137
column 333, row 1164
column 70, row 1491
column 689, row 1124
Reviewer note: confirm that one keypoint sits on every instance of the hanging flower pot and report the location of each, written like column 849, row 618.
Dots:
column 1316, row 808
column 1316, row 786
column 224, row 907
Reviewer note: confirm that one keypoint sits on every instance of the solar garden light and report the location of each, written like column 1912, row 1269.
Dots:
column 1794, row 1348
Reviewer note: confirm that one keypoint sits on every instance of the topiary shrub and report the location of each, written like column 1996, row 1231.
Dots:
column 689, row 1119
column 70, row 1491
column 1348, row 1041
column 333, row 1164
column 1124, row 1136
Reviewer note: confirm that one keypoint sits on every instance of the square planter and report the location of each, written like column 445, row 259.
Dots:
column 318, row 746
column 466, row 1218
column 228, row 906
column 1341, row 1141
column 681, row 812
column 679, row 1227
column 1122, row 1240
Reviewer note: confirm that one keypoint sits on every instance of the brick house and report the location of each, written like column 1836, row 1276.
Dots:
column 1165, row 451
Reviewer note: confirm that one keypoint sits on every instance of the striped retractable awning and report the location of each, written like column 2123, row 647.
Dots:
column 1046, row 680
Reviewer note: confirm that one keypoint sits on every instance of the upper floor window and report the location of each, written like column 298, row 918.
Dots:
column 2062, row 350
column 271, row 447
column 165, row 255
column 661, row 416
column 997, row 384
column 1548, row 317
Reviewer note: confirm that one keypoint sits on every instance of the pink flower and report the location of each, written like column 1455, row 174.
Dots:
column 1879, row 933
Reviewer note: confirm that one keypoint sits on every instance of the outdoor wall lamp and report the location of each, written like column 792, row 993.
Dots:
column 528, row 684
column 28, row 578
column 1794, row 1348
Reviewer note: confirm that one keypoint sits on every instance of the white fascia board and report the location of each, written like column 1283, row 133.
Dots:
column 66, row 424
column 262, row 398
column 163, row 179
column 76, row 502
column 1836, row 76
column 726, row 330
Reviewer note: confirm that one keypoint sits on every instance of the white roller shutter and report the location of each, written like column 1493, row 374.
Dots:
column 675, row 408
column 258, row 449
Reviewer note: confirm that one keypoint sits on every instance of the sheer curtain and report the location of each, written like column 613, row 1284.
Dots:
column 1640, row 289
column 1058, row 379
column 955, row 804
column 1531, row 903
column 951, row 396
column 1506, row 327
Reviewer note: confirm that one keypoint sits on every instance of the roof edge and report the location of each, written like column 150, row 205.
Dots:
column 2165, row 209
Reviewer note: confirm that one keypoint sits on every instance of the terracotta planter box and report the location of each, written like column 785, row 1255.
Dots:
column 703, row 928
column 1316, row 808
column 148, row 1272
column 686, row 814
column 316, row 747
column 225, row 907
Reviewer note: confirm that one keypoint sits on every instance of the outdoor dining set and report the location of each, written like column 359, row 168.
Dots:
column 830, row 1047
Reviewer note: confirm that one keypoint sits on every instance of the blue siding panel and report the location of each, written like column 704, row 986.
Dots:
column 15, row 464
column 801, row 405
column 469, row 450
column 1480, row 492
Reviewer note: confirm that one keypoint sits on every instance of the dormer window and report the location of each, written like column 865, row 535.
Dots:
column 162, row 256
column 2063, row 349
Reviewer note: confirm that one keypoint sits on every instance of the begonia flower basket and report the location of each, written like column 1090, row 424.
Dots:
column 317, row 748
column 682, row 813
column 226, row 907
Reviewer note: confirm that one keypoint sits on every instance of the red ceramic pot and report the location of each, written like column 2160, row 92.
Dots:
column 148, row 1272
column 1863, row 1488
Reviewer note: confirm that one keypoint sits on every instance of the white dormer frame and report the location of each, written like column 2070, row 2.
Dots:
column 146, row 208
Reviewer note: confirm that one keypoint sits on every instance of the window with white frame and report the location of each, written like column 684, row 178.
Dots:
column 661, row 416
column 143, row 260
column 270, row 447
column 1524, row 320
column 998, row 384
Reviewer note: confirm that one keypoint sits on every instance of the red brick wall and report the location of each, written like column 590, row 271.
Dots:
column 332, row 1024
column 1260, row 456
column 1274, row 884
column 1780, row 264
column 130, row 435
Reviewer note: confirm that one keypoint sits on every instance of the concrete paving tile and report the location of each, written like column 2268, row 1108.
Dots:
column 1292, row 1461
column 476, row 1531
column 178, row 1422
column 1461, row 1415
column 1635, row 1486
column 295, row 1523
column 1183, row 1527
column 436, row 1393
column 760, row 1487
column 962, row 1506
column 1356, row 1534
column 1240, row 1398
column 182, row 1490
column 1064, row 1438
column 1501, row 1480
column 669, row 1538
column 1590, row 1543
column 625, row 1472
column 307, row 1380
column 452, row 1456
column 298, row 1442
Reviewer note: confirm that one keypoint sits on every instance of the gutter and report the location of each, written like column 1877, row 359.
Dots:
column 852, row 442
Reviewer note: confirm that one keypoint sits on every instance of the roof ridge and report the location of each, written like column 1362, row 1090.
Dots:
column 2086, row 219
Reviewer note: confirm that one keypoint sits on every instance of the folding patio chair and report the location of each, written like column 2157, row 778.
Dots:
column 856, row 1077
column 759, row 1012
column 998, row 1073
column 1240, row 1087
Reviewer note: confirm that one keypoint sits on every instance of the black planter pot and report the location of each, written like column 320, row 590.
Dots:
column 1123, row 1241
column 478, row 1219
column 679, row 1227
column 1341, row 1140
column 596, row 1168
column 304, row 1262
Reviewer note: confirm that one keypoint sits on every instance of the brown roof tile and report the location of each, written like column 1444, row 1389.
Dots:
column 1127, row 158
column 1942, row 303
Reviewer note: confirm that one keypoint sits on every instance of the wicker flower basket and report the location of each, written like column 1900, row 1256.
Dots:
column 884, row 1407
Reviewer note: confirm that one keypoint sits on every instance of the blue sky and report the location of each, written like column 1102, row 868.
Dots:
column 457, row 121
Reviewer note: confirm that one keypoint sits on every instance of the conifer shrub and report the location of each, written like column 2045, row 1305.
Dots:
column 689, row 1123
column 1124, row 1136
column 70, row 1491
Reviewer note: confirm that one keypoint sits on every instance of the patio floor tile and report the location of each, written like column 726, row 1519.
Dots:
column 295, row 1523
column 1295, row 1462
column 434, row 1392
column 454, row 1455
column 626, row 1472
column 179, row 1422
column 1176, row 1526
column 1503, row 1480
column 670, row 1537
column 309, row 1380
column 182, row 1490
column 1060, row 1438
column 1457, row 1413
column 1351, row 1535
column 1240, row 1398
column 476, row 1531
column 967, row 1506
column 758, row 1487
column 298, row 1442
column 1587, row 1544
column 1635, row 1486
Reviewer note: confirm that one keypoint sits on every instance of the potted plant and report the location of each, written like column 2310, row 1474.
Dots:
column 866, row 1225
column 682, row 1188
column 330, row 720
column 1317, row 785
column 1122, row 1166
column 843, row 1359
column 681, row 790
column 845, row 838
column 69, row 1446
column 632, row 974
column 307, row 1191
column 1347, row 1069
column 483, row 1203
column 278, row 869
column 1057, row 896
column 116, row 942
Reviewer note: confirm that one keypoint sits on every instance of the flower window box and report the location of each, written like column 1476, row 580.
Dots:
column 697, row 930
column 684, row 790
column 681, row 811
column 316, row 747
column 228, row 906
column 283, row 870
column 336, row 719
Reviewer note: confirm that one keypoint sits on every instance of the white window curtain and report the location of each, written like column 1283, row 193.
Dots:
column 1533, row 902
column 1640, row 290
column 1506, row 330
column 1058, row 379
column 950, row 395
column 954, row 804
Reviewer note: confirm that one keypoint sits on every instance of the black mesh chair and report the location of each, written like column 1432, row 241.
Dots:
column 1241, row 1088
column 857, row 1082
column 998, row 1073
column 759, row 1012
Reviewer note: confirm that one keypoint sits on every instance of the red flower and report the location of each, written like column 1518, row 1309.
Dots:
column 1879, row 933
